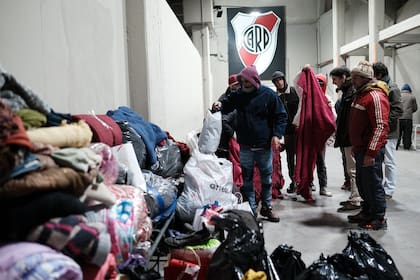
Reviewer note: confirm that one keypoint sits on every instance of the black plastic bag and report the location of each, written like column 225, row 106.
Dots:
column 287, row 262
column 169, row 162
column 242, row 249
column 371, row 257
column 322, row 269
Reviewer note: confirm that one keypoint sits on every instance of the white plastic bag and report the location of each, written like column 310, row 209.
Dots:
column 207, row 179
column 210, row 133
column 125, row 154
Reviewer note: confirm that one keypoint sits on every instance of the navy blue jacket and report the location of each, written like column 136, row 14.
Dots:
column 260, row 116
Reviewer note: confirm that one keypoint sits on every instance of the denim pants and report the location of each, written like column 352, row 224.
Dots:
column 263, row 159
column 369, row 181
column 390, row 166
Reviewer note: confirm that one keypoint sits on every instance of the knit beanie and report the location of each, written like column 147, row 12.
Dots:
column 251, row 75
column 232, row 79
column 363, row 69
column 406, row 87
column 276, row 75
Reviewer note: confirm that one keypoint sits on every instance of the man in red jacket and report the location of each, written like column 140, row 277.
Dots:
column 368, row 130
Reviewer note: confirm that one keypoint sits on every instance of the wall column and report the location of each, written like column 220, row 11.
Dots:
column 376, row 22
column 338, row 31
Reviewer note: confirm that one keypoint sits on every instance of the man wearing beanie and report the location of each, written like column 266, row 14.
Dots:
column 261, row 120
column 290, row 101
column 368, row 130
column 394, row 96
column 409, row 103
column 341, row 78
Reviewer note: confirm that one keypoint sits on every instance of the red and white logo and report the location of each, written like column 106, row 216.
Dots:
column 256, row 38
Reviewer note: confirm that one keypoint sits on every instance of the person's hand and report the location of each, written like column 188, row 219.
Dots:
column 368, row 161
column 217, row 106
column 276, row 141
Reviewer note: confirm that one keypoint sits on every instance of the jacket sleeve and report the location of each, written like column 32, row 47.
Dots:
column 378, row 113
column 414, row 104
column 280, row 117
column 396, row 107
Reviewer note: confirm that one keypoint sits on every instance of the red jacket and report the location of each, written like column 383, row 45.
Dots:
column 368, row 128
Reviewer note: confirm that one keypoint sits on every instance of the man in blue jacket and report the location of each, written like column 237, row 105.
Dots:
column 261, row 120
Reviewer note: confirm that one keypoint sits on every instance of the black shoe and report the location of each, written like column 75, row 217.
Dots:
column 342, row 203
column 346, row 186
column 291, row 188
column 268, row 213
column 348, row 207
column 376, row 224
column 313, row 187
column 358, row 218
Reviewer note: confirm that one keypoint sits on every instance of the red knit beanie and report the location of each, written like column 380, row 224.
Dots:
column 251, row 75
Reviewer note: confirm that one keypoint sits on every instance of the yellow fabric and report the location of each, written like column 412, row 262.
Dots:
column 254, row 275
column 67, row 135
column 378, row 85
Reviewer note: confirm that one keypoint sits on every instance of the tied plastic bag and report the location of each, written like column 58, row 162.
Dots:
column 323, row 269
column 209, row 139
column 371, row 257
column 287, row 262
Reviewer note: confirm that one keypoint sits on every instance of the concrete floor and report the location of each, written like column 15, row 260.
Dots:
column 319, row 228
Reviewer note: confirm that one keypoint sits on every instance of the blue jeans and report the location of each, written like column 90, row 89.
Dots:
column 390, row 166
column 263, row 159
column 369, row 182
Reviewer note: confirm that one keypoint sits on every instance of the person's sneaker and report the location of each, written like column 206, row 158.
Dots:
column 346, row 186
column 348, row 207
column 358, row 218
column 313, row 188
column 323, row 191
column 291, row 188
column 376, row 224
column 269, row 215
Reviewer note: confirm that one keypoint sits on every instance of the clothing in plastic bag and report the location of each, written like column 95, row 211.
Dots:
column 371, row 257
column 287, row 262
column 242, row 249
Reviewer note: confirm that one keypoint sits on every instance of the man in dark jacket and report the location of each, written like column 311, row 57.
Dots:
column 291, row 102
column 368, row 131
column 228, row 120
column 396, row 111
column 406, row 121
column 261, row 120
column 341, row 78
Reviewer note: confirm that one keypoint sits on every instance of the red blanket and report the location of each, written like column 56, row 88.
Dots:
column 316, row 123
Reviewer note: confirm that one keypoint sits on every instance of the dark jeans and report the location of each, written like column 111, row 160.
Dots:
column 369, row 183
column 321, row 168
column 406, row 130
column 263, row 159
column 290, row 147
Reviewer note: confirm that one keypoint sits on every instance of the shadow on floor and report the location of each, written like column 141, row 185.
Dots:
column 326, row 220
